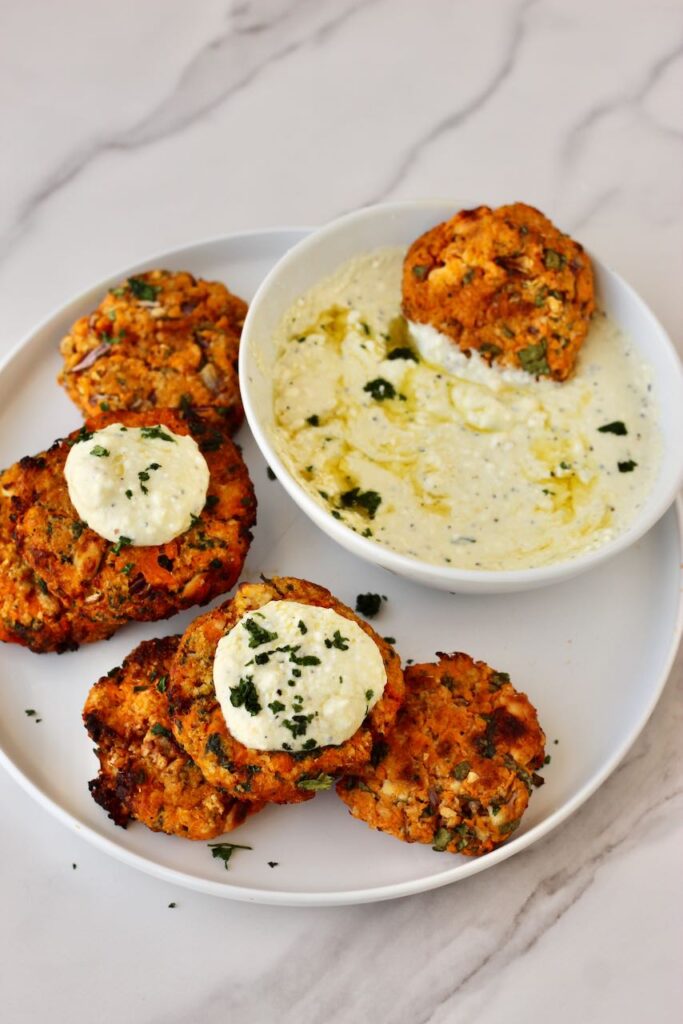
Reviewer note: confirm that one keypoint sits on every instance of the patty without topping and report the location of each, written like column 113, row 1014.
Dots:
column 198, row 723
column 108, row 584
column 505, row 283
column 158, row 340
column 457, row 769
column 144, row 774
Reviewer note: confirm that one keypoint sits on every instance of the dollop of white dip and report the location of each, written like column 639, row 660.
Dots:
column 294, row 676
column 141, row 484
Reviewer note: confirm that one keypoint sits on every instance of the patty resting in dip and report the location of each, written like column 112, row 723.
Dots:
column 441, row 457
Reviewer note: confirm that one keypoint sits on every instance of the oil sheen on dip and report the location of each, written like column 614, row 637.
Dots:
column 294, row 676
column 441, row 457
column 144, row 484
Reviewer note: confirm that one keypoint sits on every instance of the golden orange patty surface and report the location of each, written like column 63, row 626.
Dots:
column 458, row 767
column 144, row 774
column 505, row 283
column 108, row 584
column 159, row 340
column 272, row 775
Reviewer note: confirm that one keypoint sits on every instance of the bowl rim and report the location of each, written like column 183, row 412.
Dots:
column 491, row 580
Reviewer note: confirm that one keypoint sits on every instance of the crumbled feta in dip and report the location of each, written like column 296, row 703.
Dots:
column 294, row 676
column 141, row 484
column 442, row 457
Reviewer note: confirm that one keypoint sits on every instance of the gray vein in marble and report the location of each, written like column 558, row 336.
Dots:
column 576, row 137
column 583, row 875
column 491, row 936
column 195, row 95
column 465, row 113
column 596, row 205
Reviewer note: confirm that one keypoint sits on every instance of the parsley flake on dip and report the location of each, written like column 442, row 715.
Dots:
column 444, row 458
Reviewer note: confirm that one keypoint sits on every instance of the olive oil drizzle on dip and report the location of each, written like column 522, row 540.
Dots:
column 141, row 485
column 446, row 458
column 296, row 677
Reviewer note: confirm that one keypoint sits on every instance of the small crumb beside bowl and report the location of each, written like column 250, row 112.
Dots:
column 321, row 255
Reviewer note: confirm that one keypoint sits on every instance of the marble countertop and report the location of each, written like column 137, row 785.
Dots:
column 131, row 128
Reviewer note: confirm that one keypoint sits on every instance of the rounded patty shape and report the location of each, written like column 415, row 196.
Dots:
column 159, row 340
column 458, row 768
column 30, row 614
column 505, row 283
column 108, row 582
column 144, row 774
column 198, row 722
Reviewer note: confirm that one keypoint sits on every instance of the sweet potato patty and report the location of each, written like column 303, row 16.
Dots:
column 505, row 283
column 157, row 340
column 198, row 721
column 457, row 769
column 110, row 583
column 144, row 774
column 30, row 614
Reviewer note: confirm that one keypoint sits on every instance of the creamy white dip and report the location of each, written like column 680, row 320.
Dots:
column 142, row 484
column 294, row 676
column 443, row 457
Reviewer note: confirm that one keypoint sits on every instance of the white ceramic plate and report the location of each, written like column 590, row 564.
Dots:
column 592, row 653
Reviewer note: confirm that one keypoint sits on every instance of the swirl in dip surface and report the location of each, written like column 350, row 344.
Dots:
column 293, row 676
column 143, row 484
column 444, row 458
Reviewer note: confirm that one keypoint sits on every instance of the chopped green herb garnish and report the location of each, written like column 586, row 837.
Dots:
column 338, row 641
column 172, row 906
column 627, row 467
column 276, row 707
column 533, row 359
column 99, row 452
column 369, row 694
column 104, row 406
column 129, row 494
column 462, row 770
column 160, row 730
column 156, row 433
column 78, row 527
column 442, row 838
column 161, row 685
column 302, row 627
column 368, row 604
column 262, row 659
column 498, row 679
column 224, row 851
column 389, row 639
column 489, row 349
column 258, row 635
column 139, row 689
column 553, row 260
column 126, row 569
column 142, row 290
column 403, row 353
column 270, row 474
column 419, row 271
column 313, row 421
column 306, row 659
column 298, row 724
column 617, row 427
column 322, row 782
column 122, row 542
column 245, row 695
column 30, row 712
column 380, row 389
column 367, row 501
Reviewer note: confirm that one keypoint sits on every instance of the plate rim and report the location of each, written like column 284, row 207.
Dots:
column 320, row 898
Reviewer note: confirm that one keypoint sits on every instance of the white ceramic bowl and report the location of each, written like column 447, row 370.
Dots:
column 322, row 253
